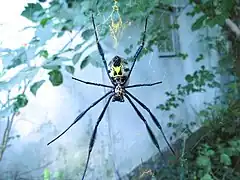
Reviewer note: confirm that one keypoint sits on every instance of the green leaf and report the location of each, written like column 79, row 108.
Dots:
column 46, row 174
column 220, row 20
column 70, row 69
column 30, row 9
column 183, row 55
column 18, row 136
column 210, row 152
column 200, row 57
column 169, row 124
column 59, row 175
column 86, row 35
column 207, row 177
column 51, row 67
column 210, row 22
column 44, row 21
column 198, row 23
column 55, row 77
column 76, row 58
column 60, row 34
column 225, row 159
column 77, row 47
column 174, row 26
column 43, row 53
column 203, row 161
column 127, row 51
column 21, row 101
column 189, row 78
column 85, row 62
column 34, row 88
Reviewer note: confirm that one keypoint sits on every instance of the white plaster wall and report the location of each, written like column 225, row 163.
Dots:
column 122, row 139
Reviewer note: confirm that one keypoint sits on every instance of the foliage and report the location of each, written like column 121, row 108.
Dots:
column 197, row 82
column 213, row 151
column 216, row 154
column 47, row 175
column 215, row 12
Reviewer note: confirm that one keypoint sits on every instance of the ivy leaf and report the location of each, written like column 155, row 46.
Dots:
column 70, row 69
column 34, row 88
column 198, row 23
column 55, row 77
column 86, row 35
column 76, row 58
column 225, row 159
column 85, row 62
column 30, row 9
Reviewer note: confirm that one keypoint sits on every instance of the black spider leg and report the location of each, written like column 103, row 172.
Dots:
column 150, row 132
column 91, row 83
column 81, row 115
column 168, row 56
column 138, row 51
column 142, row 85
column 92, row 141
column 153, row 118
column 100, row 50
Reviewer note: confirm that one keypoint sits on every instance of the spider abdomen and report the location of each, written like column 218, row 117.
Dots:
column 118, row 70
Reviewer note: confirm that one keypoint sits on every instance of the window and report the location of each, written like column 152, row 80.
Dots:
column 168, row 18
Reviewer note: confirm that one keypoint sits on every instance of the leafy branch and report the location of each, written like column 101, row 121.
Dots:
column 216, row 12
column 20, row 102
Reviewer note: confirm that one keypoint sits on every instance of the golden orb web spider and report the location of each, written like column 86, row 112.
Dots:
column 119, row 76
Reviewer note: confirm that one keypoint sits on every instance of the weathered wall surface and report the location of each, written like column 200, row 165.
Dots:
column 122, row 140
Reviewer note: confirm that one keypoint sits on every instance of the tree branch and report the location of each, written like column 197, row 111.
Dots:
column 233, row 27
column 229, row 23
column 6, row 135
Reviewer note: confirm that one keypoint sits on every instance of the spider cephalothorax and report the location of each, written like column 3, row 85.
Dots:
column 119, row 74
